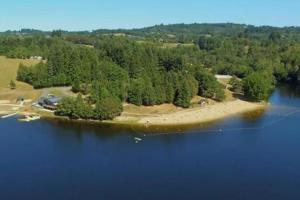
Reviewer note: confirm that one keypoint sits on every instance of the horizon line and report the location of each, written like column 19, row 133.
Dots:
column 149, row 26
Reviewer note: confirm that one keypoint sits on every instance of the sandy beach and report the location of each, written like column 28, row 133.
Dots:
column 195, row 115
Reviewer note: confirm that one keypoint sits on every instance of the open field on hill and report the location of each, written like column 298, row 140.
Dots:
column 8, row 97
column 8, row 70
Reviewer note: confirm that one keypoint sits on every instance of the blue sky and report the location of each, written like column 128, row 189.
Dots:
column 94, row 14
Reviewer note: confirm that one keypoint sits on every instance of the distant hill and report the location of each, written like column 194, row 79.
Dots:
column 190, row 30
column 181, row 33
column 195, row 28
column 24, row 32
column 222, row 28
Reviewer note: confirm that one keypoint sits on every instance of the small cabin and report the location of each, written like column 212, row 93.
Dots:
column 53, row 101
column 36, row 58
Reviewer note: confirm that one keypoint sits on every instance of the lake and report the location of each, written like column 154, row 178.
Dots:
column 252, row 156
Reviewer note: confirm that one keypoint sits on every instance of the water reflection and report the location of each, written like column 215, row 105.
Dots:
column 253, row 115
column 106, row 130
column 290, row 91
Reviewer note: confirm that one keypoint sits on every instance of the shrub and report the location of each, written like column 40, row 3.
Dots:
column 108, row 108
column 258, row 86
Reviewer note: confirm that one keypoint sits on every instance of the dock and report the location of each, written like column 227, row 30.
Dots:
column 9, row 115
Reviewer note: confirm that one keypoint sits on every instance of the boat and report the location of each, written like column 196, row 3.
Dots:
column 29, row 118
column 138, row 139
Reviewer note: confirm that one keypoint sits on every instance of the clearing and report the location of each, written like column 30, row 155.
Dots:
column 8, row 97
column 8, row 69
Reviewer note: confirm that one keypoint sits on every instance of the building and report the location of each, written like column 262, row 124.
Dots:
column 50, row 102
column 36, row 57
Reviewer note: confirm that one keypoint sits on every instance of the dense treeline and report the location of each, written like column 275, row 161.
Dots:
column 24, row 47
column 77, row 108
column 120, row 70
column 102, row 66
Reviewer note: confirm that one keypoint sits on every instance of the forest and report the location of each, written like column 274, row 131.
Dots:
column 107, row 68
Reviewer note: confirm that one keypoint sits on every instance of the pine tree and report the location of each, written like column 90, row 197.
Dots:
column 76, row 86
column 183, row 95
column 135, row 92
column 108, row 108
column 149, row 96
column 12, row 85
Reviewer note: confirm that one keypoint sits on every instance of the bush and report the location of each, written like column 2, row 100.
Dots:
column 258, row 86
column 237, row 85
column 12, row 85
column 209, row 86
column 74, row 108
column 219, row 94
column 76, row 86
column 108, row 109
column 25, row 74
column 66, row 107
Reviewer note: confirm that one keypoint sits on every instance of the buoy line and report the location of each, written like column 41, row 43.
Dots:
column 220, row 130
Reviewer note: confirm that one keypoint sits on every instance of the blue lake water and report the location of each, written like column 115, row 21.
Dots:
column 253, row 156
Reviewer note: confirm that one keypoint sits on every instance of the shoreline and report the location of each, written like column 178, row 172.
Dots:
column 197, row 115
column 182, row 117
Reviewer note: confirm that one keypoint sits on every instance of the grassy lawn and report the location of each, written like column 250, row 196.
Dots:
column 8, row 69
column 175, row 45
column 166, row 45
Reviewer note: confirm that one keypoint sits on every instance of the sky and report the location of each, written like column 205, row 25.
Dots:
column 77, row 15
